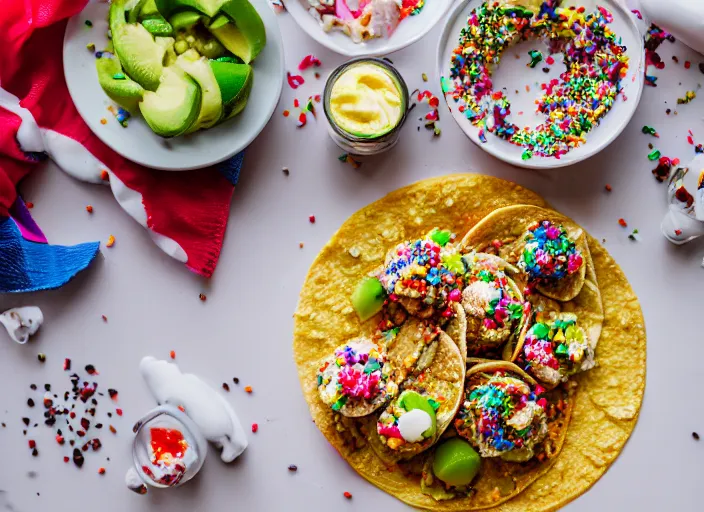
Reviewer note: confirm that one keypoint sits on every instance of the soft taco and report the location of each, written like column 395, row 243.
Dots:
column 551, row 250
column 492, row 309
column 426, row 406
column 460, row 469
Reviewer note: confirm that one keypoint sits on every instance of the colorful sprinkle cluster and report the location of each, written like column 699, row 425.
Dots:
column 653, row 39
column 573, row 105
column 491, row 416
column 423, row 270
column 501, row 306
column 549, row 253
column 411, row 7
column 357, row 372
column 558, row 344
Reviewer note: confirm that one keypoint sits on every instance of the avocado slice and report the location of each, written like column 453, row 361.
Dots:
column 245, row 35
column 118, row 86
column 368, row 298
column 158, row 27
column 208, row 7
column 174, row 107
column 184, row 19
column 219, row 21
column 169, row 54
column 139, row 55
column 211, row 103
column 456, row 463
column 235, row 82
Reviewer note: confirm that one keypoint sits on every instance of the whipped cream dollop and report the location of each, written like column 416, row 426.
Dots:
column 21, row 323
column 212, row 414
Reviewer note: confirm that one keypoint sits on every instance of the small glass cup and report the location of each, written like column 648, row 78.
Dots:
column 168, row 417
column 365, row 145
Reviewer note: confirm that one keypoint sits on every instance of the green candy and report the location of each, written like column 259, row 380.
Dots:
column 456, row 463
column 561, row 350
column 368, row 298
column 410, row 400
column 540, row 331
column 440, row 237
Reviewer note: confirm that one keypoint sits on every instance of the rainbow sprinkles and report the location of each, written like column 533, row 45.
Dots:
column 595, row 64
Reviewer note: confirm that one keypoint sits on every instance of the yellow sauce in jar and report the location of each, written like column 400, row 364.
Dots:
column 366, row 101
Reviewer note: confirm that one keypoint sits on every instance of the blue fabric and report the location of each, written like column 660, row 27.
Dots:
column 231, row 168
column 28, row 266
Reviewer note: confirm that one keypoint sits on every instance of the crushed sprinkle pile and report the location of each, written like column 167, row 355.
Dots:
column 357, row 372
column 491, row 414
column 423, row 270
column 549, row 253
column 594, row 58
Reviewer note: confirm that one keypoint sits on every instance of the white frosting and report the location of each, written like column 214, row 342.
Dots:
column 213, row 415
column 21, row 323
column 413, row 424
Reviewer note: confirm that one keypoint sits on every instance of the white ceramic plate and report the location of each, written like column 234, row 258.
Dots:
column 137, row 142
column 408, row 31
column 513, row 74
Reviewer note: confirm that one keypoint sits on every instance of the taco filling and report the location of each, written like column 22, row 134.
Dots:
column 502, row 415
column 409, row 419
column 356, row 380
column 555, row 348
column 492, row 302
column 549, row 254
column 423, row 276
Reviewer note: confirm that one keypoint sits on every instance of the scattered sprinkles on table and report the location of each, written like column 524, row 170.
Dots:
column 595, row 61
column 549, row 253
column 347, row 158
column 432, row 118
column 653, row 39
column 688, row 97
column 73, row 415
column 649, row 130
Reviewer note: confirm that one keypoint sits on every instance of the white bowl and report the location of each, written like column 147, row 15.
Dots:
column 514, row 74
column 408, row 31
column 137, row 142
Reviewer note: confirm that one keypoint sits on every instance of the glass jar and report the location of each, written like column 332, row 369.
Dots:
column 360, row 144
column 170, row 472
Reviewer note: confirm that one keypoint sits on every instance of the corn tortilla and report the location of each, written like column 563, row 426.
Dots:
column 608, row 397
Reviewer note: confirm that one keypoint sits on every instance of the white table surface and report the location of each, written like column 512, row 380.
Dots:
column 245, row 327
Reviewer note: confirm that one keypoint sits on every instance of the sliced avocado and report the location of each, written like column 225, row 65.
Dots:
column 139, row 55
column 246, row 35
column 456, row 462
column 174, row 107
column 368, row 298
column 208, row 7
column 250, row 25
column 133, row 8
column 211, row 102
column 240, row 102
column 219, row 21
column 158, row 27
column 149, row 10
column 168, row 44
column 410, row 400
column 118, row 86
column 184, row 19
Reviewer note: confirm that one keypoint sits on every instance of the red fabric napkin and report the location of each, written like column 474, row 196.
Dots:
column 186, row 212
